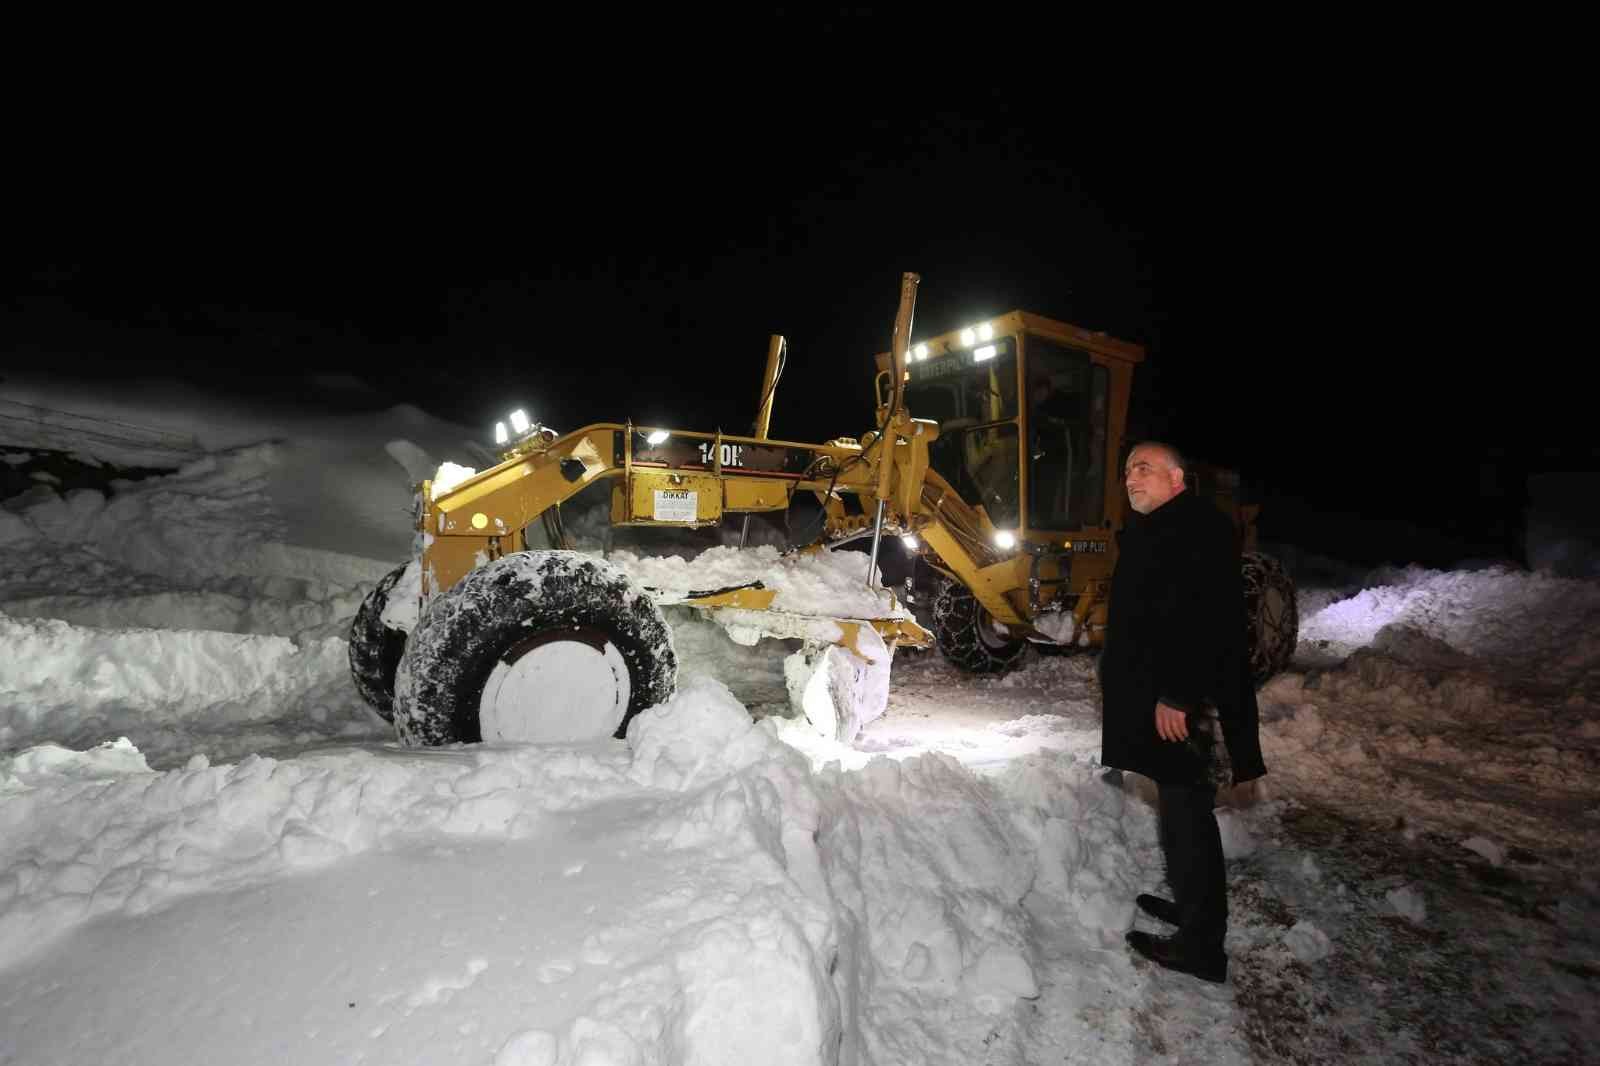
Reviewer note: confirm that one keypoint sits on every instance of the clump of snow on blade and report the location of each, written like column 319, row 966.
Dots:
column 829, row 584
column 448, row 476
column 838, row 691
column 754, row 674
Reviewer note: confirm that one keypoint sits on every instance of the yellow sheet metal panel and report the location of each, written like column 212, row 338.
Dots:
column 661, row 497
column 511, row 495
column 447, row 560
column 755, row 494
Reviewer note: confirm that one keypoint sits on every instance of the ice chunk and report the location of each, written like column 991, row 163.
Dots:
column 1308, row 943
column 1487, row 848
column 1408, row 903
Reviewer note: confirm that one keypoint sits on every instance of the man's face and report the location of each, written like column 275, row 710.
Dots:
column 1151, row 479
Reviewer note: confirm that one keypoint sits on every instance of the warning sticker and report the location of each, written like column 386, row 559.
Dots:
column 676, row 505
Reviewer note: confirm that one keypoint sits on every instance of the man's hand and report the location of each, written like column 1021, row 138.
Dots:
column 1171, row 723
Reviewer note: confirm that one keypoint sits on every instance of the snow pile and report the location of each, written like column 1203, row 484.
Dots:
column 1454, row 691
column 952, row 890
column 211, row 518
column 701, row 731
column 671, row 909
column 176, row 691
column 1497, row 614
column 932, row 865
column 337, row 483
column 830, row 584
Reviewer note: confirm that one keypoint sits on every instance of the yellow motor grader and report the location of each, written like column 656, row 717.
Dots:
column 995, row 463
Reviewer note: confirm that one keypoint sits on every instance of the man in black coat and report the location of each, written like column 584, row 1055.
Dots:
column 1175, row 666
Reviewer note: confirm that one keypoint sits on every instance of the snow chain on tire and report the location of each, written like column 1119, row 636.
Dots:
column 1272, row 618
column 966, row 634
column 375, row 648
column 500, row 609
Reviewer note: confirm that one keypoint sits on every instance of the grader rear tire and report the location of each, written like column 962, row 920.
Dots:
column 1272, row 618
column 968, row 636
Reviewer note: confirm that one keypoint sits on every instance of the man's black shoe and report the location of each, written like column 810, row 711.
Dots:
column 1172, row 953
column 1156, row 907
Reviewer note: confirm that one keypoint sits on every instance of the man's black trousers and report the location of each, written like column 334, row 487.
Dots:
column 1192, row 845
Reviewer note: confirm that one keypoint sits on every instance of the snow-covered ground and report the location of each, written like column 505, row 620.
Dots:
column 212, row 851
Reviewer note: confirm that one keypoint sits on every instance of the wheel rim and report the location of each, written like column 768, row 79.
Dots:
column 989, row 633
column 560, row 686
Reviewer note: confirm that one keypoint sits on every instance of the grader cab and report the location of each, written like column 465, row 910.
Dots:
column 1032, row 416
column 994, row 461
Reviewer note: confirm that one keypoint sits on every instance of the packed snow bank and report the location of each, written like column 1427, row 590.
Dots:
column 177, row 691
column 663, row 905
column 1468, row 695
column 697, row 894
column 1535, row 621
column 339, row 483
column 213, row 519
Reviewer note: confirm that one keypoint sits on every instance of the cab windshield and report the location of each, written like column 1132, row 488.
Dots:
column 981, row 416
column 974, row 400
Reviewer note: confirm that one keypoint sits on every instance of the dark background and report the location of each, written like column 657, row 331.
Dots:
column 1294, row 253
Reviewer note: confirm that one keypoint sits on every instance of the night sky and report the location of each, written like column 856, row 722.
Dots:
column 595, row 256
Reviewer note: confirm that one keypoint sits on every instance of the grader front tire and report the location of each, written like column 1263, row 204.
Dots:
column 968, row 636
